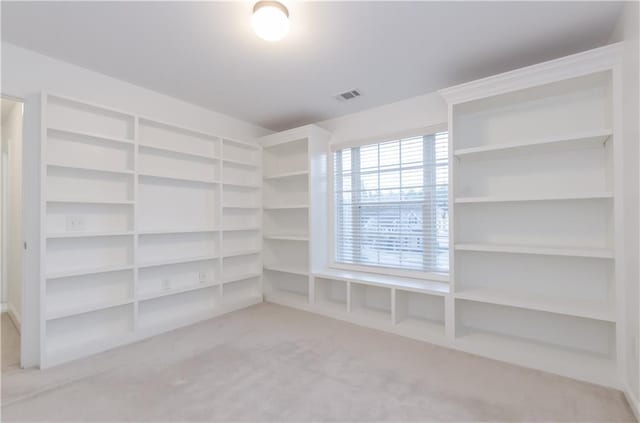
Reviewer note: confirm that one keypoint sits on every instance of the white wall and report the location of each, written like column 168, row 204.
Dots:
column 390, row 119
column 24, row 75
column 627, row 31
column 12, row 136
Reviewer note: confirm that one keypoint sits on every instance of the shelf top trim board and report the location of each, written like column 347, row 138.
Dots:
column 506, row 199
column 584, row 63
column 592, row 138
column 240, row 229
column 421, row 286
column 602, row 253
column 249, row 252
column 108, row 109
column 179, row 152
column 589, row 310
column 293, row 135
column 241, row 185
column 92, row 135
column 178, row 128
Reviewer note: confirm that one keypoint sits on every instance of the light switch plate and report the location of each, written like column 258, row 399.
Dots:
column 202, row 277
column 75, row 223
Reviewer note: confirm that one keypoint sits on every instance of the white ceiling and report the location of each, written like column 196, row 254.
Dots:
column 207, row 54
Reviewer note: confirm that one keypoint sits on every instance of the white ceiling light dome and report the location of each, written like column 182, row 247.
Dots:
column 270, row 20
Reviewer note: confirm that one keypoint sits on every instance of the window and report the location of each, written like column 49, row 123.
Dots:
column 391, row 204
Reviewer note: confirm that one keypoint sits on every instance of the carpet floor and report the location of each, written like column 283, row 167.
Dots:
column 272, row 363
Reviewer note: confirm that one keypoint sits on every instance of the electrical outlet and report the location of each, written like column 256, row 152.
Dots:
column 75, row 223
column 202, row 277
column 166, row 284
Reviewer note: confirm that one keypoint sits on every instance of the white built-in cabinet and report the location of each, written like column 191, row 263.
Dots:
column 146, row 226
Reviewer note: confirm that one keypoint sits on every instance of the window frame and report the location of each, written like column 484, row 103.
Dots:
column 381, row 270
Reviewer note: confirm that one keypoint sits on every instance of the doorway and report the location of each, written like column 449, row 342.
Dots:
column 11, row 234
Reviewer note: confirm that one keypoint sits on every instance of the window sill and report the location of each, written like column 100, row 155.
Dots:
column 409, row 284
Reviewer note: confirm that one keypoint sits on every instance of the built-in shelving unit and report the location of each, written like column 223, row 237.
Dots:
column 533, row 205
column 286, row 218
column 132, row 210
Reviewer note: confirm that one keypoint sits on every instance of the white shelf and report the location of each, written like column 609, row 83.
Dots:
column 78, row 201
column 91, row 169
column 179, row 152
column 507, row 199
column 247, row 252
column 301, row 238
column 82, row 272
column 548, row 144
column 87, row 234
column 285, row 269
column 178, row 261
column 410, row 284
column 174, row 291
column 92, row 135
column 539, row 356
column 240, row 163
column 603, row 253
column 179, row 178
column 287, row 174
column 74, row 311
column 286, row 207
column 242, row 277
column 238, row 206
column 178, row 231
column 241, row 185
column 241, row 228
column 242, row 143
column 586, row 309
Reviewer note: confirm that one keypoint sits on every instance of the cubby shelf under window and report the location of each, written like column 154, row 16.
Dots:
column 300, row 238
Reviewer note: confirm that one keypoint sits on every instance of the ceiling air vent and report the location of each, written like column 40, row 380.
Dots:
column 348, row 95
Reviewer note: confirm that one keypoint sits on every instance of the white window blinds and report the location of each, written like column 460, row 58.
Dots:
column 391, row 204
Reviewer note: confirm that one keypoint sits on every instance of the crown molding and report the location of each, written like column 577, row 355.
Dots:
column 591, row 61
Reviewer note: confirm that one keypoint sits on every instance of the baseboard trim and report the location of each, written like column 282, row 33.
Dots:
column 14, row 316
column 634, row 403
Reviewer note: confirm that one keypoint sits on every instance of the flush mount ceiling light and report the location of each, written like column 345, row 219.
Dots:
column 270, row 20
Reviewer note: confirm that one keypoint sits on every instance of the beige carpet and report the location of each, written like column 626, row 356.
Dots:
column 271, row 363
column 10, row 344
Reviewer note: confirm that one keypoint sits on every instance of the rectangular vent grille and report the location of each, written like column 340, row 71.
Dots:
column 348, row 95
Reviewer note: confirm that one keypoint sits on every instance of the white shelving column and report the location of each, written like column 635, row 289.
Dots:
column 286, row 217
column 242, row 226
column 535, row 172
column 132, row 211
